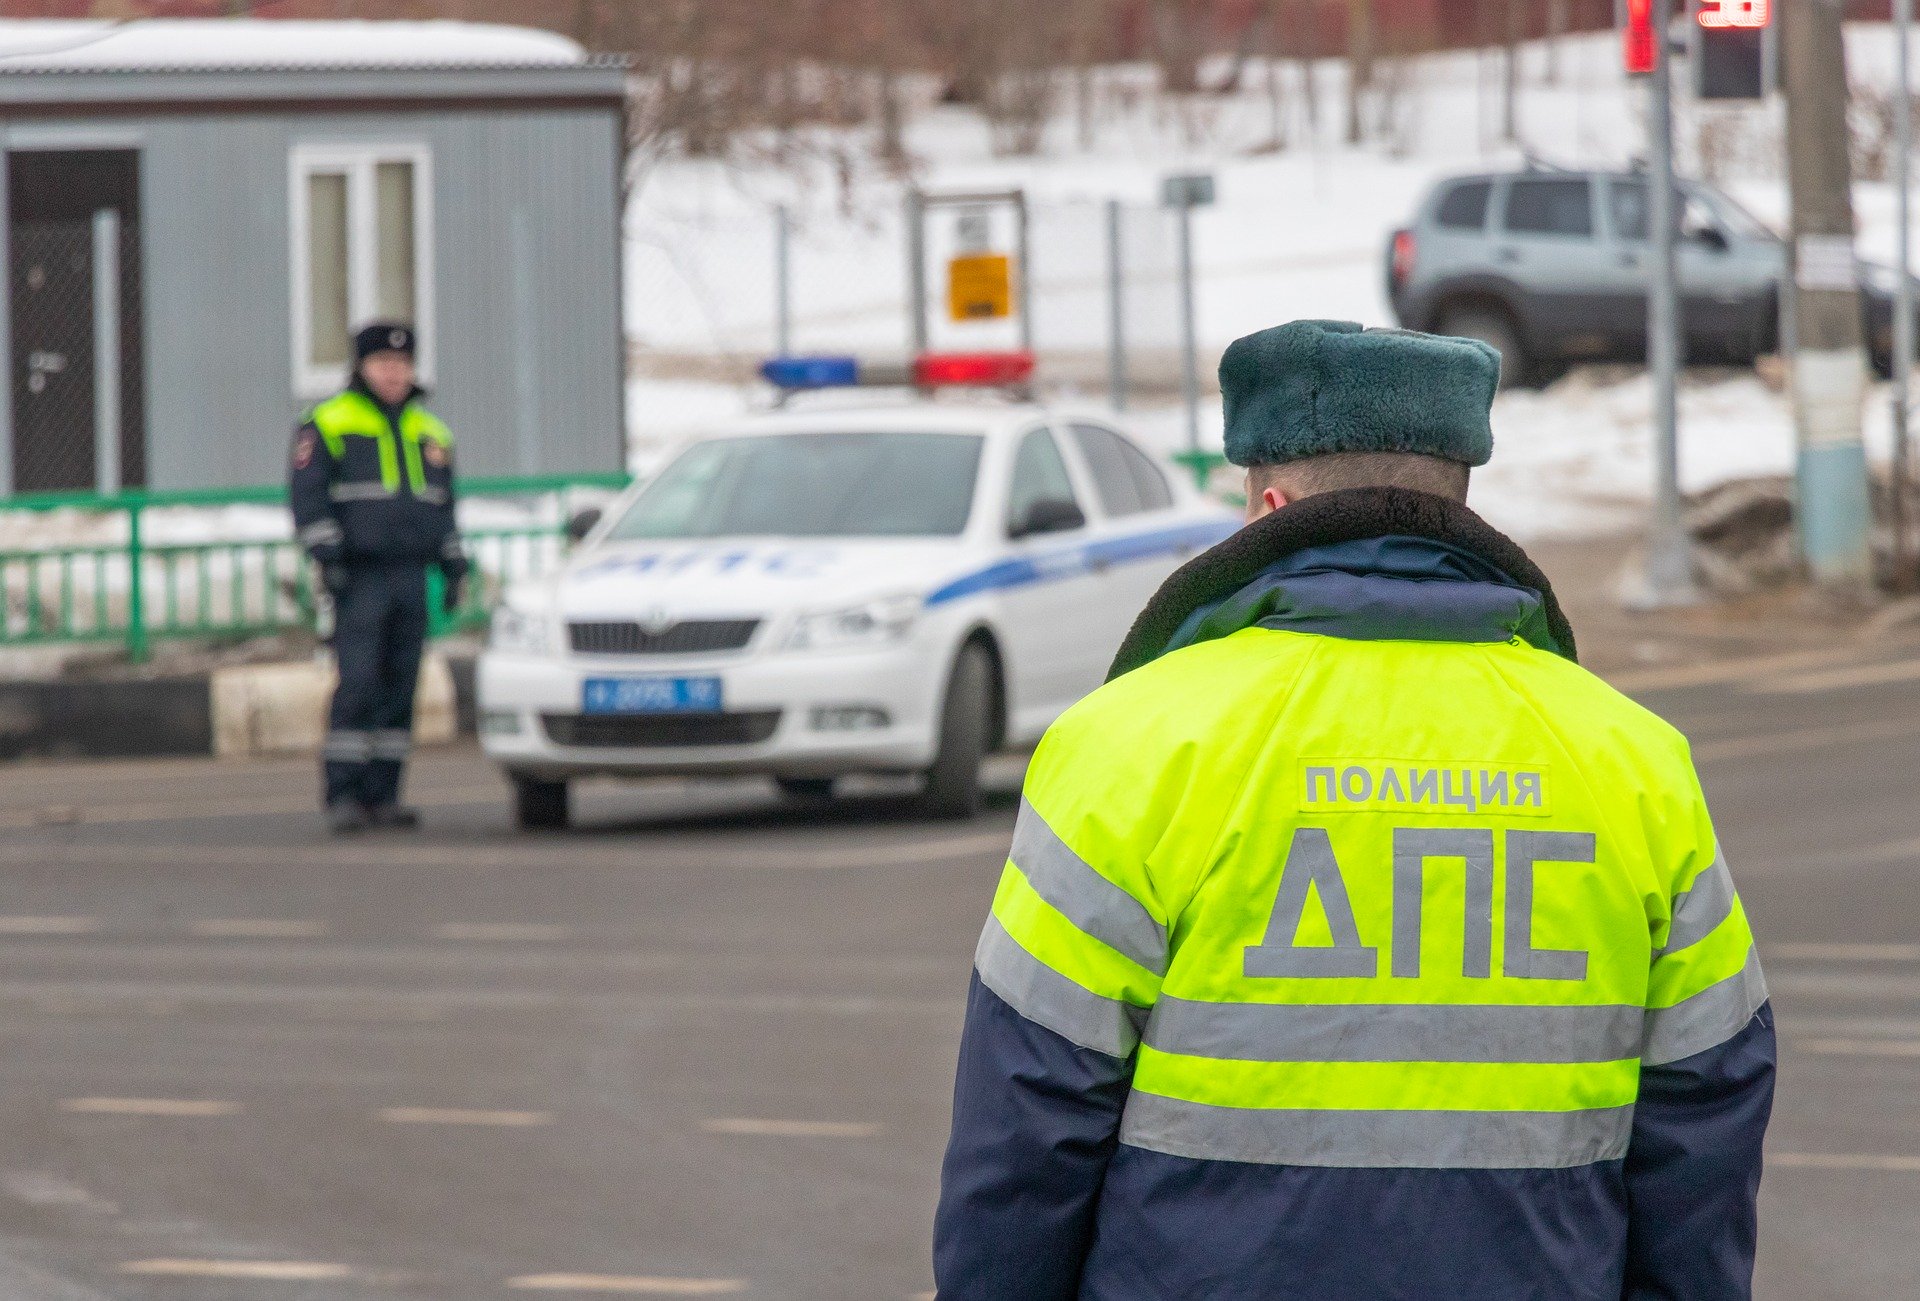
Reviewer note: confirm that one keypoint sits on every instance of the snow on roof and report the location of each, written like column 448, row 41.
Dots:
column 39, row 45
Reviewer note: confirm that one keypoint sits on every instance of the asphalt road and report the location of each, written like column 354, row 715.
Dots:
column 704, row 1046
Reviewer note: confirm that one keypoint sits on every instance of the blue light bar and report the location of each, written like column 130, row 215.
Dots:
column 810, row 372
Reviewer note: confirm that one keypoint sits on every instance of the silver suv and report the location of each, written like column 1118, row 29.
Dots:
column 1552, row 267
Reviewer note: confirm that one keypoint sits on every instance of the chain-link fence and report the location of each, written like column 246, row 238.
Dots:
column 709, row 294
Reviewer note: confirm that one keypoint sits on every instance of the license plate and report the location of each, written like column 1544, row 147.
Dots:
column 650, row 696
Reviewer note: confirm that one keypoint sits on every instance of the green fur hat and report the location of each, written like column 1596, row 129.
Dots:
column 1311, row 388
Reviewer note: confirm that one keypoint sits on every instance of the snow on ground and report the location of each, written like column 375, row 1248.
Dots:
column 38, row 45
column 1295, row 232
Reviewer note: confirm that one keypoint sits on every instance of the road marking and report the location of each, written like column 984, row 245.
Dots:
column 49, row 925
column 1701, row 675
column 904, row 851
column 463, row 1116
column 501, row 931
column 760, row 1127
column 149, row 1107
column 285, row 1271
column 257, row 928
column 1804, row 738
column 638, row 1284
column 1865, row 675
column 225, row 806
column 1845, row 1161
column 1847, row 952
column 1860, row 1047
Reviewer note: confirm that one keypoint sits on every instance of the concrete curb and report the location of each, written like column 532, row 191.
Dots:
column 233, row 712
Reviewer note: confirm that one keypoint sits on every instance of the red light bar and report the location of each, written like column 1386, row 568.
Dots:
column 1719, row 14
column 1637, row 37
column 985, row 369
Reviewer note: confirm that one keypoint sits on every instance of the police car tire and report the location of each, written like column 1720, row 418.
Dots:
column 540, row 805
column 953, row 782
column 805, row 788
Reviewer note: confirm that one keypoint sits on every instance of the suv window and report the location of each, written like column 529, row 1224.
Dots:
column 1464, row 207
column 1550, row 206
column 1038, row 475
column 1630, row 204
column 1123, row 478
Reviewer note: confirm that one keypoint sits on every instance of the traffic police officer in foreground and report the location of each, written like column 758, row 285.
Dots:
column 1355, row 942
column 372, row 492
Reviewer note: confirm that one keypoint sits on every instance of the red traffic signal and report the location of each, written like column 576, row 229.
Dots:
column 1637, row 38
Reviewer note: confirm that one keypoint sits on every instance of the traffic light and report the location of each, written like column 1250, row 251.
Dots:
column 1636, row 38
column 1733, row 49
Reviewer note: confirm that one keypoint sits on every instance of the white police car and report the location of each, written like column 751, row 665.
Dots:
column 811, row 594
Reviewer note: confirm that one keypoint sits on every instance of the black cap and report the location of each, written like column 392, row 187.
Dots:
column 382, row 336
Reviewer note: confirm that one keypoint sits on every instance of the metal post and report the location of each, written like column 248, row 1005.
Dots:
column 1023, row 273
column 1116, row 313
column 106, row 350
column 1189, row 342
column 1669, row 576
column 136, row 597
column 782, row 283
column 1903, row 291
column 917, row 271
column 526, row 425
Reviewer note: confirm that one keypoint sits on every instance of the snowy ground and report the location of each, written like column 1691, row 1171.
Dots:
column 1296, row 232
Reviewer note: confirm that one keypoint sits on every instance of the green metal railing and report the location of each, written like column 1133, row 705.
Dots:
column 133, row 590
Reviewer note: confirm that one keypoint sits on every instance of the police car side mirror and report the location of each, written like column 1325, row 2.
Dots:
column 1048, row 515
column 581, row 523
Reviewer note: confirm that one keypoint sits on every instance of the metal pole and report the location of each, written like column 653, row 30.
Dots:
column 1023, row 283
column 1189, row 343
column 782, row 283
column 1116, row 313
column 917, row 271
column 526, row 396
column 106, row 350
column 1903, row 291
column 1669, row 577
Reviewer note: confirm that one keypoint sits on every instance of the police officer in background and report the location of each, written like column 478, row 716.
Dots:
column 1355, row 942
column 372, row 493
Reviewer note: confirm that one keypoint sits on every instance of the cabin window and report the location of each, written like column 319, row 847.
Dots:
column 362, row 251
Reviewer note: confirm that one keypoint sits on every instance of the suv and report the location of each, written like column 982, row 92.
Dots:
column 1553, row 267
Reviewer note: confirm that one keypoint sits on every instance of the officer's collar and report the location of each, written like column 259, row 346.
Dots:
column 1362, row 562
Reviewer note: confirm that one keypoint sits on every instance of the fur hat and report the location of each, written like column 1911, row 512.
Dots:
column 1313, row 388
column 382, row 336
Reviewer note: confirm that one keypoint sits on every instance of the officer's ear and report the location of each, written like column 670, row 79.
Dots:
column 1263, row 496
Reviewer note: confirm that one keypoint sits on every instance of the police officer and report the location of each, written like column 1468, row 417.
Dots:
column 372, row 492
column 1354, row 941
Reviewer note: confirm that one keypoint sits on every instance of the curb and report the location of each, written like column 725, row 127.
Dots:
column 252, row 709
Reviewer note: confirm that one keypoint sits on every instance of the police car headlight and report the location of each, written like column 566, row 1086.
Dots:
column 871, row 623
column 520, row 632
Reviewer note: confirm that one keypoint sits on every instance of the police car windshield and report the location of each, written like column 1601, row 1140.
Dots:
column 822, row 485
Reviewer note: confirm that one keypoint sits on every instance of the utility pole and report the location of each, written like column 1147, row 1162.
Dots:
column 1827, row 369
column 1903, row 292
column 1669, row 577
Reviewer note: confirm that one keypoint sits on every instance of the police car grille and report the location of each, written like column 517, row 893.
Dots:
column 689, row 637
column 615, row 731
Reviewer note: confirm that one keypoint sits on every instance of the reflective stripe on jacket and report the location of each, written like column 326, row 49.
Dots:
column 374, row 488
column 1336, row 951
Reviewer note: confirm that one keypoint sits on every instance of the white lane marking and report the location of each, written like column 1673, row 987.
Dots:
column 501, row 931
column 1845, row 952
column 1804, row 738
column 1700, row 675
column 149, row 1107
column 257, row 928
column 49, row 925
column 637, row 1284
column 1845, row 1161
column 463, row 1116
column 1859, row 1047
column 1866, row 675
column 761, row 1127
column 284, row 1271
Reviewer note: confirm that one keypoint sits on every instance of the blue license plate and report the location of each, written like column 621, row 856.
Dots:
column 650, row 696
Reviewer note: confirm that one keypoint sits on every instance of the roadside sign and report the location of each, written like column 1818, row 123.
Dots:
column 1191, row 191
column 980, row 287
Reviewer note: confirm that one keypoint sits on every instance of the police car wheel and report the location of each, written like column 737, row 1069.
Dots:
column 953, row 783
column 540, row 805
column 805, row 788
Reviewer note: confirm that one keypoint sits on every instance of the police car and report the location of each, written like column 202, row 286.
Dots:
column 808, row 594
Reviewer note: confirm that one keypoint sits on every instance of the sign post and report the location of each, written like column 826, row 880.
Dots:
column 1183, row 194
column 1903, row 290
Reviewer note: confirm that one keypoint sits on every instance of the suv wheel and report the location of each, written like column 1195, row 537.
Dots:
column 1492, row 326
column 540, row 805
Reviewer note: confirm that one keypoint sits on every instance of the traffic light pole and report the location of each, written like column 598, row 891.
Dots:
column 1669, row 575
column 1903, row 292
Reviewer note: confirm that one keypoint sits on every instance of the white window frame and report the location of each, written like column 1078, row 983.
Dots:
column 358, row 162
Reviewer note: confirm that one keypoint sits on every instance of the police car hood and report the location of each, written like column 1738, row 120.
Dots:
column 751, row 577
